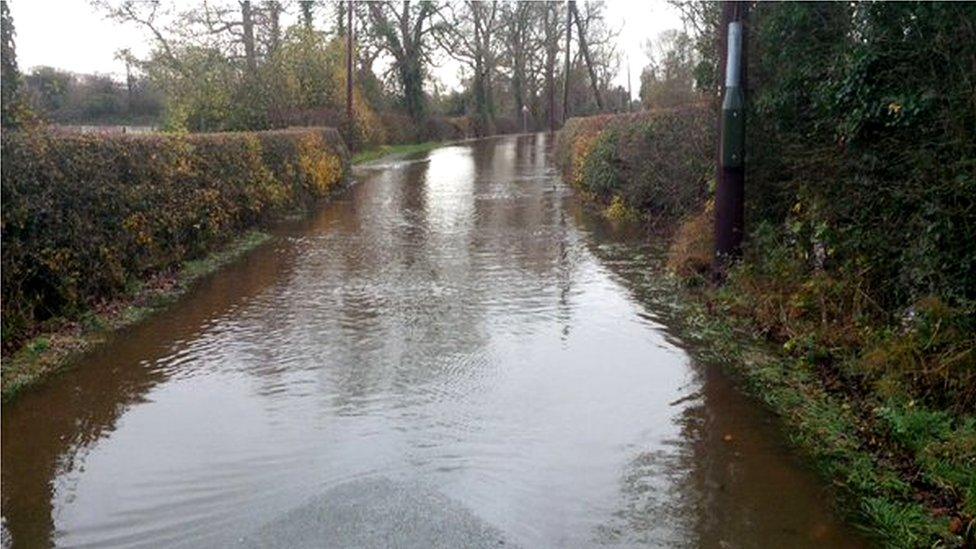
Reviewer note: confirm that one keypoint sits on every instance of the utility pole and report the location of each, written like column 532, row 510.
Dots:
column 630, row 98
column 730, row 191
column 349, row 65
column 569, row 35
column 552, row 51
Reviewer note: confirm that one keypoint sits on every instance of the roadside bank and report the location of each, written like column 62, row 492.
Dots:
column 878, row 398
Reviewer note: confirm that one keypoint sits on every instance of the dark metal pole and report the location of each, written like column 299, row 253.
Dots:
column 349, row 65
column 730, row 191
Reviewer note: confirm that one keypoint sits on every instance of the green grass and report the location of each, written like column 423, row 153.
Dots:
column 56, row 350
column 370, row 155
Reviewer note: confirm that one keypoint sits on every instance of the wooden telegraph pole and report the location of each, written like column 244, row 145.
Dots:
column 569, row 35
column 349, row 64
column 730, row 191
column 629, row 90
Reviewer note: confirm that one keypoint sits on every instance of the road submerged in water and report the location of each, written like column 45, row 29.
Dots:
column 452, row 353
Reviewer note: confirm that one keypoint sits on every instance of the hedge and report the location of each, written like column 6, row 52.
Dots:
column 657, row 163
column 85, row 215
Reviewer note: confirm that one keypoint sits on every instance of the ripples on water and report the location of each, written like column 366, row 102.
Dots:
column 454, row 320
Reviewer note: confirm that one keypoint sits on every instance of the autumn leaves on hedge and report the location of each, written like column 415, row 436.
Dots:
column 85, row 215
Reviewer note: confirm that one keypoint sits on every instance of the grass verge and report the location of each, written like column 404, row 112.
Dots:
column 370, row 155
column 825, row 427
column 905, row 471
column 58, row 347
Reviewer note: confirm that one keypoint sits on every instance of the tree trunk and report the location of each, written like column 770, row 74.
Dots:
column 274, row 16
column 250, row 54
column 412, row 76
column 518, row 73
column 349, row 54
column 586, row 57
column 306, row 6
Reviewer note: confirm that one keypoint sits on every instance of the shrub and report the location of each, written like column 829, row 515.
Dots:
column 84, row 215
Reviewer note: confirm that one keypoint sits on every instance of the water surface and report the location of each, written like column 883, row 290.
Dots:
column 453, row 332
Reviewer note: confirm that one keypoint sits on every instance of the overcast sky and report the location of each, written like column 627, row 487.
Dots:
column 70, row 34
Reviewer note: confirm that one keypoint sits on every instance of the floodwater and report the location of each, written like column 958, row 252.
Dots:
column 453, row 353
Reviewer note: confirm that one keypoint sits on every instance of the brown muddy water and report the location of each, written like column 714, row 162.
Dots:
column 455, row 325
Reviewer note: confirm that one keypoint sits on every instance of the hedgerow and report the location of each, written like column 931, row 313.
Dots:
column 86, row 215
column 655, row 162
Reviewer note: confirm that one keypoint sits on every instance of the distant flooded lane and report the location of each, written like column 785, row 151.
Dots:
column 453, row 353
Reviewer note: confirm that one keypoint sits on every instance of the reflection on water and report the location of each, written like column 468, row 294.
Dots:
column 455, row 320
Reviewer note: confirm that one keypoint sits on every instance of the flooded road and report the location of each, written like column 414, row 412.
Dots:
column 453, row 353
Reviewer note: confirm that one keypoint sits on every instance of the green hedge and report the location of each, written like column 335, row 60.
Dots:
column 862, row 141
column 85, row 215
column 657, row 163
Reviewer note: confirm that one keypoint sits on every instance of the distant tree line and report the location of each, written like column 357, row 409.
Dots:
column 241, row 64
column 64, row 97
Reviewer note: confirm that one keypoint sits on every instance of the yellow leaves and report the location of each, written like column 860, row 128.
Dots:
column 322, row 167
column 136, row 225
column 582, row 147
column 619, row 211
column 324, row 170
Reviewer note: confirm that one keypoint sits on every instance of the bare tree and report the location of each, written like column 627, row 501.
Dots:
column 403, row 33
column 581, row 35
column 222, row 25
column 307, row 8
column 518, row 29
column 599, row 59
column 471, row 37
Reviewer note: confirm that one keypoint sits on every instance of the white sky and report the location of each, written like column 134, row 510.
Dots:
column 72, row 35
